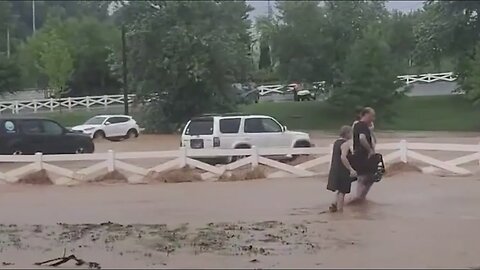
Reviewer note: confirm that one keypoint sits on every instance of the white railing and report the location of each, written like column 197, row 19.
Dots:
column 111, row 161
column 270, row 89
column 69, row 103
column 409, row 79
column 428, row 78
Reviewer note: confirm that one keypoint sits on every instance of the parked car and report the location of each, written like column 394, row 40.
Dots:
column 109, row 126
column 240, row 132
column 27, row 136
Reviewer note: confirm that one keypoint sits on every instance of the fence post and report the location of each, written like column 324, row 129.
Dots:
column 15, row 108
column 51, row 104
column 105, row 101
column 403, row 151
column 478, row 154
column 69, row 103
column 39, row 160
column 111, row 161
column 183, row 157
column 330, row 152
column 254, row 150
column 87, row 101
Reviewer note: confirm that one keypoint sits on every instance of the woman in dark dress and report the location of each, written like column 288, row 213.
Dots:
column 341, row 172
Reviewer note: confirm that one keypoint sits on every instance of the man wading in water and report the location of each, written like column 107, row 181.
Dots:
column 363, row 151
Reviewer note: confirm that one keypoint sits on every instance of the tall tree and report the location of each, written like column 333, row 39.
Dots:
column 369, row 77
column 10, row 75
column 265, row 27
column 187, row 52
column 56, row 63
column 452, row 28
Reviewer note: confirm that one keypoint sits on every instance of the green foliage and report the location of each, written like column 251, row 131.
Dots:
column 55, row 62
column 10, row 75
column 89, row 43
column 451, row 28
column 369, row 77
column 190, row 53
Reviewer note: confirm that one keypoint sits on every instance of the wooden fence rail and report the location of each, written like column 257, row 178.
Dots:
column 183, row 157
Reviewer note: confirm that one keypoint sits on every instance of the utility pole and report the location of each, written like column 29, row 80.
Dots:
column 124, row 61
column 33, row 17
column 270, row 10
column 8, row 41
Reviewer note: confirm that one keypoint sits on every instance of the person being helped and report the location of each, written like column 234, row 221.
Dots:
column 365, row 161
column 341, row 172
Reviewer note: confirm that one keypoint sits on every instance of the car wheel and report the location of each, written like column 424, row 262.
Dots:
column 80, row 150
column 99, row 135
column 17, row 152
column 132, row 133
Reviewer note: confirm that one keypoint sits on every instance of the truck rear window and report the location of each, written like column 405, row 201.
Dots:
column 200, row 127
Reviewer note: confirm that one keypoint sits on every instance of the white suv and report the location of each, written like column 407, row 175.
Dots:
column 240, row 132
column 109, row 126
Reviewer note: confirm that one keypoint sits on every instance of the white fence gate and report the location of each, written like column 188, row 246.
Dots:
column 111, row 161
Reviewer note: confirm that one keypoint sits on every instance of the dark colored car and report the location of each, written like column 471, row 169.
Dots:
column 27, row 136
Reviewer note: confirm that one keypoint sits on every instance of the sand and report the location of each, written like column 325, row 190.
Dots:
column 411, row 220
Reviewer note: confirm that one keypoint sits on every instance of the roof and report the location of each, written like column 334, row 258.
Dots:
column 17, row 117
column 228, row 115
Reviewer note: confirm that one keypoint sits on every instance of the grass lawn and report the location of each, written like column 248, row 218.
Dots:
column 433, row 113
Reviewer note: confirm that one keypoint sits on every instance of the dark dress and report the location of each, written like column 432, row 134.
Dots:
column 339, row 177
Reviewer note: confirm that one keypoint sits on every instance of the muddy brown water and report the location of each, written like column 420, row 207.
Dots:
column 411, row 220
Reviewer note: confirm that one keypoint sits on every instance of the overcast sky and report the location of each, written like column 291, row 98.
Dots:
column 261, row 7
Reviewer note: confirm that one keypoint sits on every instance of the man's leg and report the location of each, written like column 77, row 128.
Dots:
column 359, row 190
column 340, row 201
column 367, row 182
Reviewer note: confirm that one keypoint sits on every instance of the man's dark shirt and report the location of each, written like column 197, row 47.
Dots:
column 358, row 149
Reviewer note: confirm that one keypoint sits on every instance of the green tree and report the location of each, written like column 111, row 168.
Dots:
column 451, row 29
column 265, row 27
column 56, row 63
column 10, row 75
column 189, row 53
column 89, row 43
column 369, row 77
column 401, row 38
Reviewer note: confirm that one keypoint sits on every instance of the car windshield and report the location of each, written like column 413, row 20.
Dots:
column 97, row 120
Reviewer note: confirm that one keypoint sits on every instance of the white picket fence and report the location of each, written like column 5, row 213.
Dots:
column 18, row 106
column 111, row 161
column 428, row 77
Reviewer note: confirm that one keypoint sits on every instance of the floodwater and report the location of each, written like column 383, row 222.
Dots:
column 410, row 220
